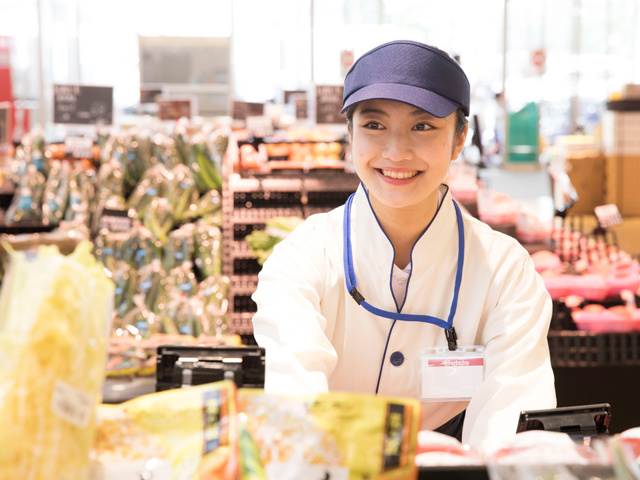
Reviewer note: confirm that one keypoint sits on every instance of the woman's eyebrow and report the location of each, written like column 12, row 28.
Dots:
column 368, row 110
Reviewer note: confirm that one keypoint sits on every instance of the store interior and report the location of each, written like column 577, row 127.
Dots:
column 175, row 144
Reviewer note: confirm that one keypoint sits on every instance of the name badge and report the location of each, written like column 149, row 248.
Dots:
column 450, row 375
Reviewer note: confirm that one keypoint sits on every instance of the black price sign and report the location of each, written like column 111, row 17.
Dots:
column 82, row 104
column 242, row 110
column 301, row 108
column 115, row 220
column 329, row 104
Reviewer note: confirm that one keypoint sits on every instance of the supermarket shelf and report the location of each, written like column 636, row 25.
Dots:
column 240, row 323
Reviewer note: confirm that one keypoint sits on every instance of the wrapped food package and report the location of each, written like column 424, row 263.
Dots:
column 342, row 435
column 175, row 434
column 53, row 344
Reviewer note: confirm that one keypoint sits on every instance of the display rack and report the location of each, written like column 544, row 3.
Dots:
column 249, row 200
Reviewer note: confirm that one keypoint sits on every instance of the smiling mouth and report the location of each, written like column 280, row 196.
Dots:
column 399, row 175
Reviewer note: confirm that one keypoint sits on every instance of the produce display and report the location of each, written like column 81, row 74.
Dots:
column 53, row 343
column 598, row 281
column 152, row 207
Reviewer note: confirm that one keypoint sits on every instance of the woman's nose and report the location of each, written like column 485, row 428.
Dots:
column 397, row 148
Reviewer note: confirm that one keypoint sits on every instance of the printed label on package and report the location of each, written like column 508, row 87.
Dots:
column 71, row 404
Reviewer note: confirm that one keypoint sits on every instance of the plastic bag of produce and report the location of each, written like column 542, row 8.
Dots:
column 26, row 205
column 125, row 279
column 181, row 280
column 141, row 246
column 205, row 164
column 111, row 185
column 82, row 191
column 214, row 292
column 137, row 156
column 261, row 242
column 56, row 193
column 187, row 433
column 342, row 435
column 53, row 342
column 207, row 249
column 183, row 192
column 179, row 247
column 158, row 219
column 209, row 207
column 151, row 283
column 155, row 182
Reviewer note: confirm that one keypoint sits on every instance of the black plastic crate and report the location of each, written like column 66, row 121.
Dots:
column 246, row 266
column 244, row 304
column 331, row 198
column 266, row 199
column 588, row 349
column 241, row 230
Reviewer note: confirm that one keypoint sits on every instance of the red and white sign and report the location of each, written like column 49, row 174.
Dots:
column 346, row 61
column 455, row 362
column 6, row 92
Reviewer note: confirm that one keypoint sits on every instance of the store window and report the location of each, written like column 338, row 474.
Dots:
column 567, row 56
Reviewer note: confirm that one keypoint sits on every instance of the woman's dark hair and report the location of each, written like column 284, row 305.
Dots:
column 461, row 120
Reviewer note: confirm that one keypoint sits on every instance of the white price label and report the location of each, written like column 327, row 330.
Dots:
column 259, row 127
column 295, row 471
column 79, row 147
column 71, row 404
column 608, row 215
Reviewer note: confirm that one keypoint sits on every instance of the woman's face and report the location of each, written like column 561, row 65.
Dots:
column 402, row 153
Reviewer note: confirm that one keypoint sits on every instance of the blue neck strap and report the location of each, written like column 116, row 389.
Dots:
column 350, row 279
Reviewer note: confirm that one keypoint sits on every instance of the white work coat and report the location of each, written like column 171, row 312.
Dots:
column 318, row 339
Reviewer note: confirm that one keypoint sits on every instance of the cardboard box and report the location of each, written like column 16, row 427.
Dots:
column 622, row 183
column 621, row 132
column 587, row 174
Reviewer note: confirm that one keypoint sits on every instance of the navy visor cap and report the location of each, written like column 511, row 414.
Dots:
column 408, row 72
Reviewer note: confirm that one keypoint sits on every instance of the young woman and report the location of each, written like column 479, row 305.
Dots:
column 379, row 295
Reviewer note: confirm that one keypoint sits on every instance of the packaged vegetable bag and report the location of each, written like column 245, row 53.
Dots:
column 54, row 327
column 342, row 436
column 187, row 433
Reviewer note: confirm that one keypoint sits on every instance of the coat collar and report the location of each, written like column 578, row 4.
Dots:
column 373, row 252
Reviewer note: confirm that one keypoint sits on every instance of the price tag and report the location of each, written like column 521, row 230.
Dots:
column 71, row 404
column 115, row 220
column 259, row 127
column 608, row 215
column 79, row 147
column 450, row 375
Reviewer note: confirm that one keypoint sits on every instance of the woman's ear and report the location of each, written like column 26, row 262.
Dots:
column 458, row 143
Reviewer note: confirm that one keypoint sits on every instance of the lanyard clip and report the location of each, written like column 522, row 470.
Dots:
column 452, row 338
column 357, row 296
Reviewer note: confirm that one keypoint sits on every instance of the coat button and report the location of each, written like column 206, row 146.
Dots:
column 397, row 358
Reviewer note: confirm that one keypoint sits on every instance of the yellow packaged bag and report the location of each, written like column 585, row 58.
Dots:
column 56, row 313
column 342, row 436
column 188, row 433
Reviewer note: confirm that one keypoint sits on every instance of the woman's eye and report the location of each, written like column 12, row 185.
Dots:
column 423, row 127
column 373, row 125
